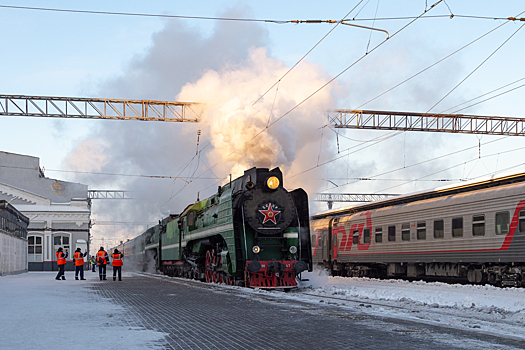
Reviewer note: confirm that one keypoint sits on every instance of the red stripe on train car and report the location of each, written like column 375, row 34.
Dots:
column 505, row 246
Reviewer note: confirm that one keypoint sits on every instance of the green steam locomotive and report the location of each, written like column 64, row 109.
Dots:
column 252, row 233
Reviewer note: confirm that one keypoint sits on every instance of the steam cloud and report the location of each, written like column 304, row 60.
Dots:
column 227, row 72
column 236, row 127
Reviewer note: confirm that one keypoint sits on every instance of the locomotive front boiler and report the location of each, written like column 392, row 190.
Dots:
column 275, row 229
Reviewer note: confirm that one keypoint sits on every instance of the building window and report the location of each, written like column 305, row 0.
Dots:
column 502, row 223
column 439, row 229
column 522, row 221
column 34, row 249
column 457, row 227
column 391, row 233
column 366, row 236
column 421, row 230
column 355, row 239
column 478, row 225
column 405, row 232
column 60, row 241
column 379, row 235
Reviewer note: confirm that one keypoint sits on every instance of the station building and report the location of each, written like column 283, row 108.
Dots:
column 13, row 240
column 58, row 211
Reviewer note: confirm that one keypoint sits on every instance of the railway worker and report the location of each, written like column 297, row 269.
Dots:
column 78, row 257
column 93, row 263
column 102, row 261
column 117, row 264
column 61, row 262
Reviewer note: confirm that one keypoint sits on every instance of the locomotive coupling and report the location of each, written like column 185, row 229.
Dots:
column 276, row 266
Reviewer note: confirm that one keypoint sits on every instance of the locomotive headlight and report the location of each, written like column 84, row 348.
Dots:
column 272, row 182
column 256, row 249
column 293, row 249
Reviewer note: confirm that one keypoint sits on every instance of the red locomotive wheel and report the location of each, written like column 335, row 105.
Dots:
column 208, row 268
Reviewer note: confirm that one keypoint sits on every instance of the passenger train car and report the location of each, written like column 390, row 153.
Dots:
column 473, row 230
column 251, row 232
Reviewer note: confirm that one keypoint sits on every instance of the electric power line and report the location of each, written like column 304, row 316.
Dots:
column 275, row 21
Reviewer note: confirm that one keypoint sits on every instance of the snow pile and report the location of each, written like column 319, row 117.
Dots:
column 38, row 312
column 435, row 294
column 486, row 309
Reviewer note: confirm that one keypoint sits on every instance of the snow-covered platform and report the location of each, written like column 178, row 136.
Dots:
column 157, row 312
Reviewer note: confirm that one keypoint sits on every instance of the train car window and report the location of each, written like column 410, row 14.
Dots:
column 457, row 227
column 522, row 221
column 439, row 231
column 379, row 235
column 366, row 236
column 355, row 239
column 405, row 232
column 391, row 233
column 478, row 225
column 502, row 223
column 421, row 230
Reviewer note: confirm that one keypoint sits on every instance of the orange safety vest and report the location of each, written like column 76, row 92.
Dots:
column 79, row 260
column 117, row 259
column 101, row 258
column 60, row 259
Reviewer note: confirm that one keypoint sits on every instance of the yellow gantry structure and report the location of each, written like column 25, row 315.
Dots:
column 431, row 122
column 98, row 108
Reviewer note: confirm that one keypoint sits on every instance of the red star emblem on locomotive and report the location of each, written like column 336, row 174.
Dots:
column 269, row 214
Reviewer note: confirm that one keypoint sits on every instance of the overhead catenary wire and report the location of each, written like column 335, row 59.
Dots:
column 346, row 69
column 439, row 62
column 307, row 53
column 331, row 180
column 334, row 78
column 239, row 19
column 108, row 174
column 490, row 98
column 373, row 23
column 460, row 164
column 485, row 94
column 435, row 158
column 432, row 65
column 475, row 69
column 209, row 18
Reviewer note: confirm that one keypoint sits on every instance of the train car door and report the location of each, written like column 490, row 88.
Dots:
column 329, row 241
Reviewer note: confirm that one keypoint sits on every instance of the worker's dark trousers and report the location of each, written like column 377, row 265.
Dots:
column 117, row 269
column 61, row 272
column 102, row 271
column 81, row 270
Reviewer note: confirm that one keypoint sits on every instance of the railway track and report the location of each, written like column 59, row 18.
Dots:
column 444, row 316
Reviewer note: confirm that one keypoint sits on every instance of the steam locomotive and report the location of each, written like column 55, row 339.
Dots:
column 473, row 231
column 252, row 233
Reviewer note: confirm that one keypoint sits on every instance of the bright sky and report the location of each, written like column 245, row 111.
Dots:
column 49, row 53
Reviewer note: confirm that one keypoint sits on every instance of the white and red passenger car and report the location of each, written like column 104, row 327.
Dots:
column 472, row 230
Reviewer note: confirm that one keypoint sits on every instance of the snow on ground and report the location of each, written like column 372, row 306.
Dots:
column 38, row 312
column 488, row 309
column 483, row 309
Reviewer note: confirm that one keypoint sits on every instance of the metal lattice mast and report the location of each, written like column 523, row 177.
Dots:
column 330, row 198
column 109, row 194
column 97, row 108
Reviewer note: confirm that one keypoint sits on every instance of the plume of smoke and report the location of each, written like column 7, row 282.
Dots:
column 227, row 70
column 238, row 130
